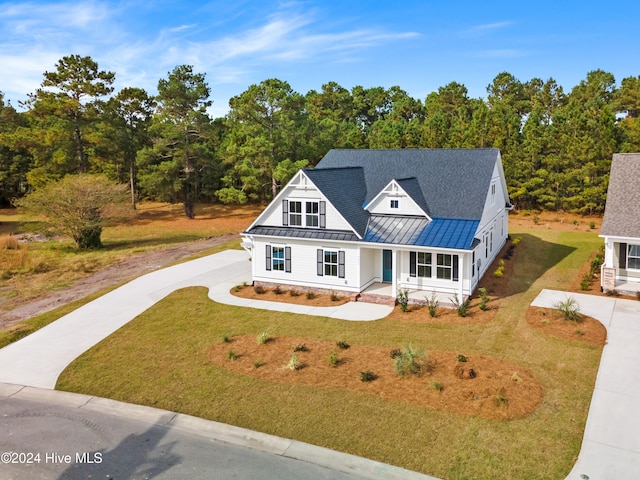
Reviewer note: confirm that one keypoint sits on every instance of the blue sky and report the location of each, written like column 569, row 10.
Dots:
column 419, row 45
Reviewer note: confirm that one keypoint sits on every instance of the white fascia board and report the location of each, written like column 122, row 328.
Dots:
column 294, row 180
column 619, row 239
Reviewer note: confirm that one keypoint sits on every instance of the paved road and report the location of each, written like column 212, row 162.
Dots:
column 66, row 442
column 611, row 442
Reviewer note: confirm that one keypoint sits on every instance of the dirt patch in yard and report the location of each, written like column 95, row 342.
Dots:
column 481, row 386
column 551, row 322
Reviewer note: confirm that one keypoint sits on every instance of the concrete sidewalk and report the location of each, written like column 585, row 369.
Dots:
column 611, row 442
column 38, row 359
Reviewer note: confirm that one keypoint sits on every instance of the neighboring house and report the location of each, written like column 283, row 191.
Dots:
column 621, row 226
column 416, row 219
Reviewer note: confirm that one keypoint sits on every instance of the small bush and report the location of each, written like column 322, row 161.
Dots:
column 516, row 378
column 592, row 225
column 410, row 361
column 259, row 289
column 294, row 363
column 367, row 376
column 257, row 364
column 237, row 288
column 333, row 358
column 334, row 297
column 437, row 386
column 462, row 358
column 499, row 272
column 516, row 241
column 461, row 307
column 536, row 220
column 612, row 293
column 395, row 352
column 294, row 293
column 226, row 339
column 579, row 332
column 232, row 355
column 403, row 299
column 311, row 295
column 484, row 299
column 500, row 400
column 432, row 304
column 569, row 308
column 277, row 290
column 300, row 348
column 342, row 345
column 584, row 285
column 263, row 338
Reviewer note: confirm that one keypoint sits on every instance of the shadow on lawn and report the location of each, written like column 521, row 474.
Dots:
column 533, row 259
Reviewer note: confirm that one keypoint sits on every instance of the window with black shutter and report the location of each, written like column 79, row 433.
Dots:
column 268, row 257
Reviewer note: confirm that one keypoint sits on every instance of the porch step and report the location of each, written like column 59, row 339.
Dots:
column 376, row 298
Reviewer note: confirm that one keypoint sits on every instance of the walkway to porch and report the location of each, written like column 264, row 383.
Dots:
column 381, row 293
column 624, row 287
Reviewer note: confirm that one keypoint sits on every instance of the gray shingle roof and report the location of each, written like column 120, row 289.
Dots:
column 450, row 183
column 622, row 210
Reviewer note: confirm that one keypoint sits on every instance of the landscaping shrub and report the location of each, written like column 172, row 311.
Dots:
column 584, row 285
column 569, row 308
column 294, row 363
column 403, row 299
column 410, row 361
column 342, row 345
column 232, row 355
column 277, row 290
column 395, row 352
column 263, row 338
column 367, row 376
column 437, row 386
column 294, row 293
column 311, row 295
column 432, row 304
column 334, row 297
column 499, row 272
column 462, row 358
column 461, row 307
column 300, row 348
column 333, row 358
column 259, row 289
column 226, row 339
column 484, row 299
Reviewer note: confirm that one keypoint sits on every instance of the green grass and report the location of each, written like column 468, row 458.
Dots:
column 160, row 359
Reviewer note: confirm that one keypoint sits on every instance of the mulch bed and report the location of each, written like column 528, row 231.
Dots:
column 551, row 322
column 499, row 390
column 269, row 295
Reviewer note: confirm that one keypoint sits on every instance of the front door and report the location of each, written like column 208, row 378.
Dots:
column 387, row 266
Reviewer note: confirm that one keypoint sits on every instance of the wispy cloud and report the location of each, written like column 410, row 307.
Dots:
column 487, row 28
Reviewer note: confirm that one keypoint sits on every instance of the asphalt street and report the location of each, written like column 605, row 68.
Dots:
column 50, row 441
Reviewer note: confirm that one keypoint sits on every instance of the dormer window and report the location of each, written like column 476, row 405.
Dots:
column 295, row 214
column 312, row 216
column 395, row 203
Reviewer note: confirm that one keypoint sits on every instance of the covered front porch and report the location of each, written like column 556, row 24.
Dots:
column 383, row 293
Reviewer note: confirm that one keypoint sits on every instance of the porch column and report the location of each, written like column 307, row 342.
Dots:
column 394, row 273
column 461, row 276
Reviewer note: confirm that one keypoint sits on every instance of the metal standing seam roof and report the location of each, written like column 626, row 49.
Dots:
column 418, row 231
column 314, row 233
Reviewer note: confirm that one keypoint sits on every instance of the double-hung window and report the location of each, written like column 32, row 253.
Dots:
column 447, row 266
column 331, row 263
column 312, row 214
column 295, row 214
column 278, row 258
column 423, row 264
column 633, row 257
column 395, row 204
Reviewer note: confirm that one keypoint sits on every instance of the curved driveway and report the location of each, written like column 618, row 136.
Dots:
column 38, row 360
column 611, row 442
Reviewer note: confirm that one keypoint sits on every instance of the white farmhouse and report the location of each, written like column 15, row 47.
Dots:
column 383, row 220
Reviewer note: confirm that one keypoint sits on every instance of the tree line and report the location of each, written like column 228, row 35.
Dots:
column 556, row 147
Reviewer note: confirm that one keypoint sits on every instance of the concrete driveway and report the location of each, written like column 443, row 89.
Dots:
column 611, row 442
column 38, row 360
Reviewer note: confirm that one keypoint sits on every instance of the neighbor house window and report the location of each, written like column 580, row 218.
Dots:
column 493, row 194
column 295, row 213
column 633, row 257
column 395, row 203
column 447, row 267
column 278, row 258
column 331, row 263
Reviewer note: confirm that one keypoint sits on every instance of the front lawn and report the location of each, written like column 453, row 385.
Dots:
column 162, row 359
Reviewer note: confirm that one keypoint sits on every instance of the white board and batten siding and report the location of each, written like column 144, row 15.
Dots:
column 304, row 264
column 393, row 200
